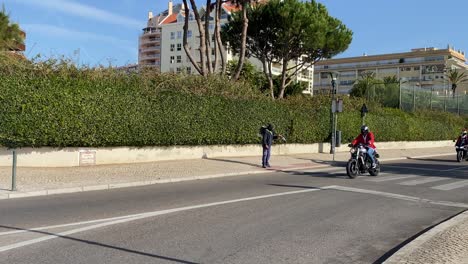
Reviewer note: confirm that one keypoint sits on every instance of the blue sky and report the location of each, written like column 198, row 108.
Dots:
column 102, row 32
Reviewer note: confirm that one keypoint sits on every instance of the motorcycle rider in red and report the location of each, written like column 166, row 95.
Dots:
column 462, row 139
column 367, row 139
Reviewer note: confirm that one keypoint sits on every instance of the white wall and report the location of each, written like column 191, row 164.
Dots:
column 68, row 157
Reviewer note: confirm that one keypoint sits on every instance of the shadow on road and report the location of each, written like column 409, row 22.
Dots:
column 236, row 161
column 102, row 245
column 429, row 167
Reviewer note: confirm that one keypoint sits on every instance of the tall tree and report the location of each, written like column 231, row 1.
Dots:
column 10, row 33
column 219, row 47
column 200, row 68
column 204, row 22
column 456, row 77
column 245, row 25
column 288, row 33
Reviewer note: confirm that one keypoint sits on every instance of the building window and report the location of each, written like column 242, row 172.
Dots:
column 189, row 34
column 416, row 68
column 324, row 75
column 172, row 35
column 178, row 70
column 213, row 52
column 172, row 59
column 179, row 59
column 179, row 47
column 172, row 47
column 179, row 34
column 189, row 70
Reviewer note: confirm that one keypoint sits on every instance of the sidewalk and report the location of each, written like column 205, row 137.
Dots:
column 446, row 243
column 44, row 181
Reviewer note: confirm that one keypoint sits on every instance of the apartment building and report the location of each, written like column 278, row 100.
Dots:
column 424, row 66
column 161, row 43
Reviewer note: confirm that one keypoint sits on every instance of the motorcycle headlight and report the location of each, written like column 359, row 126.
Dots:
column 352, row 150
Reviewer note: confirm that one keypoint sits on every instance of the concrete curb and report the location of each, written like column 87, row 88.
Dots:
column 142, row 183
column 402, row 255
column 110, row 186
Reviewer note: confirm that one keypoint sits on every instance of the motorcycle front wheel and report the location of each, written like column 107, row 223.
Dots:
column 376, row 171
column 352, row 168
column 459, row 156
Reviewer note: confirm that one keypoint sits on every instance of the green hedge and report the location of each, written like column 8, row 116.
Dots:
column 57, row 105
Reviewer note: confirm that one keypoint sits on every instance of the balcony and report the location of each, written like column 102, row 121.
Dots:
column 156, row 41
column 151, row 31
column 150, row 57
column 153, row 48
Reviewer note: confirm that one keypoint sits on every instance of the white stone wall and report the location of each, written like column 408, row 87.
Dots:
column 69, row 157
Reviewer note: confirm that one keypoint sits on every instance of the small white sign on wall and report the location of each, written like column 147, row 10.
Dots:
column 87, row 157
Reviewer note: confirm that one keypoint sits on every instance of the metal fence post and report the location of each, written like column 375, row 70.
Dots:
column 431, row 97
column 399, row 99
column 13, row 174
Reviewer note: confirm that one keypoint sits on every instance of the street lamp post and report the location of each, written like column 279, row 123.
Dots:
column 333, row 128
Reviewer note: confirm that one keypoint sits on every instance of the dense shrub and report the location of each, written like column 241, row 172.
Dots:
column 55, row 104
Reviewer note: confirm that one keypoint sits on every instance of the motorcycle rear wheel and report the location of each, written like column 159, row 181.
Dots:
column 352, row 168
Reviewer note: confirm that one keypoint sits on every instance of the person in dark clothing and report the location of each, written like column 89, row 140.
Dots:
column 462, row 140
column 268, row 136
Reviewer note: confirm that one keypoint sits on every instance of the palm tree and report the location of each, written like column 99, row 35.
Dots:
column 456, row 77
column 363, row 86
column 11, row 35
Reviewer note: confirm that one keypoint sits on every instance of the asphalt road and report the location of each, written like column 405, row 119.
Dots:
column 305, row 216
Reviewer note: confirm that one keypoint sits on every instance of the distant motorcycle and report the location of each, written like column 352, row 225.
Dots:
column 461, row 152
column 360, row 162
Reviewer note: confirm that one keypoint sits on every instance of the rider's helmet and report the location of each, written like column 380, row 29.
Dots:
column 464, row 133
column 364, row 130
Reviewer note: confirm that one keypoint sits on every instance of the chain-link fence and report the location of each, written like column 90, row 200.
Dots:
column 414, row 96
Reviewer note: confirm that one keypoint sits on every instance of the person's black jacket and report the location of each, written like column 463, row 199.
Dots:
column 268, row 138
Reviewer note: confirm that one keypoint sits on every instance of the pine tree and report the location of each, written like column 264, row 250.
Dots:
column 11, row 35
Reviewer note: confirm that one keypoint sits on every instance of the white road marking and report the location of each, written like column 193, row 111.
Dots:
column 66, row 225
column 451, row 186
column 412, row 168
column 119, row 220
column 423, row 181
column 392, row 178
column 397, row 196
column 454, row 169
column 129, row 218
column 330, row 169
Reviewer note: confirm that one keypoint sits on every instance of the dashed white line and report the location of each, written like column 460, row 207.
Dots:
column 397, row 196
column 423, row 181
column 451, row 186
column 392, row 178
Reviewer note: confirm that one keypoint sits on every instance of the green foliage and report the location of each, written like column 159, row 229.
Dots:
column 288, row 32
column 55, row 104
column 456, row 77
column 249, row 73
column 385, row 92
column 10, row 33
